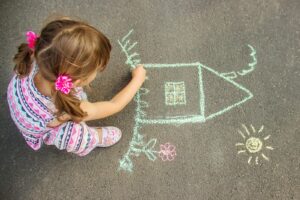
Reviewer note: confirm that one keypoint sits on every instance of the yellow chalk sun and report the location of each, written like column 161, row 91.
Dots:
column 253, row 145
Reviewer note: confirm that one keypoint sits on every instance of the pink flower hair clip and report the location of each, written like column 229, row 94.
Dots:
column 64, row 84
column 31, row 39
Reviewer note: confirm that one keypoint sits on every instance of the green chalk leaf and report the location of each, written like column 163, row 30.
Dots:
column 135, row 151
column 150, row 145
column 126, row 164
column 136, row 61
column 144, row 104
column 151, row 156
column 144, row 91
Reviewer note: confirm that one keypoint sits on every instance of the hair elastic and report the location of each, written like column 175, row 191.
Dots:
column 31, row 39
column 64, row 84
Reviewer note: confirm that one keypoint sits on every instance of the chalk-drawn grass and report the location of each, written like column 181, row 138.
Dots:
column 137, row 145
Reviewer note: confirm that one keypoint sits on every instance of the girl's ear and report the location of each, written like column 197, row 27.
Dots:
column 77, row 82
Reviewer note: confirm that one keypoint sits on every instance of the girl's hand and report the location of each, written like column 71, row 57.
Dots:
column 139, row 73
column 55, row 122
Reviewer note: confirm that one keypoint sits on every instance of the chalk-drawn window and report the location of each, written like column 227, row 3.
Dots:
column 175, row 93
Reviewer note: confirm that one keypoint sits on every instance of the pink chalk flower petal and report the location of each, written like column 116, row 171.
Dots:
column 167, row 152
column 162, row 147
column 170, row 157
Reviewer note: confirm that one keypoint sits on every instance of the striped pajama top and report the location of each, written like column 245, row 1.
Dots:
column 31, row 111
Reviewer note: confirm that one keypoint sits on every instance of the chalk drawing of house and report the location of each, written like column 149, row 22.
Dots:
column 169, row 98
column 175, row 92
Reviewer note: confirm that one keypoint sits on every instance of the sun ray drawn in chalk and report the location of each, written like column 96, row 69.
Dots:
column 253, row 145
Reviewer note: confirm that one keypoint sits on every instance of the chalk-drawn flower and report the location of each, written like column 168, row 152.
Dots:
column 167, row 152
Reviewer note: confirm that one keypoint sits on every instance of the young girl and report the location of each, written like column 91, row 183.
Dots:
column 45, row 96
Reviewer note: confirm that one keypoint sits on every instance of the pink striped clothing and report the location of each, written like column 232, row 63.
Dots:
column 31, row 111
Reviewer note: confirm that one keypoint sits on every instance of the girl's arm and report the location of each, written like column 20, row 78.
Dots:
column 104, row 109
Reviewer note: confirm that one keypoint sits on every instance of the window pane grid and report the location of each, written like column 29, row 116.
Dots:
column 175, row 93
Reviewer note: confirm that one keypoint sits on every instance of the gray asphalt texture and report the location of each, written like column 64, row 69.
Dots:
column 207, row 165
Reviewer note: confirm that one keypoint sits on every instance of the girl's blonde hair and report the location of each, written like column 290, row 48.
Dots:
column 65, row 46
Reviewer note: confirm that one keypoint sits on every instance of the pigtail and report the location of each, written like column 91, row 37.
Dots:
column 23, row 60
column 67, row 51
column 70, row 104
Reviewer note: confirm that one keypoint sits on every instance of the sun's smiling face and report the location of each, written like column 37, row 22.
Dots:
column 253, row 145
